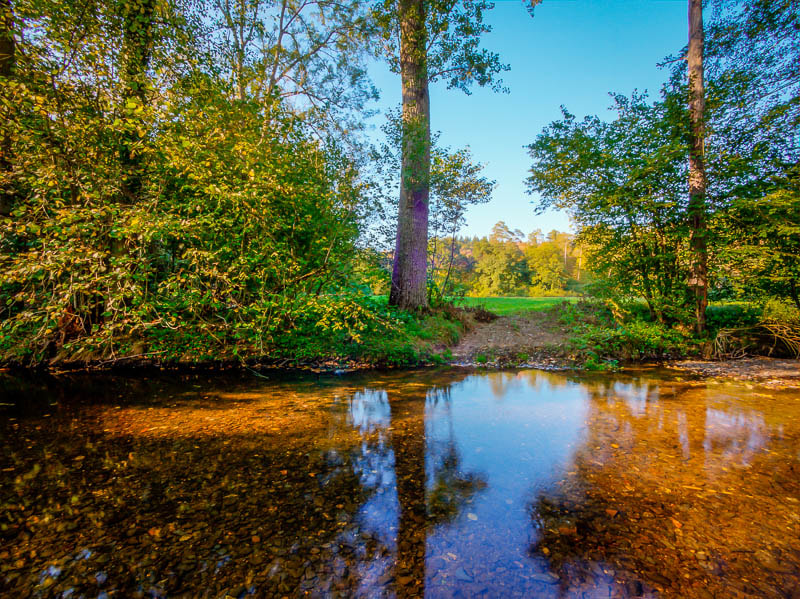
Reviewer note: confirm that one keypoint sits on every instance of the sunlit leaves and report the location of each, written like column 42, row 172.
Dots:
column 454, row 53
column 623, row 184
column 156, row 215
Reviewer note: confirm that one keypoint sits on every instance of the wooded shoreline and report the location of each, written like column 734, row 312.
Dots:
column 554, row 338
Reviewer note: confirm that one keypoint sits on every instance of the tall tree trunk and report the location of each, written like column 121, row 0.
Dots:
column 410, row 257
column 137, row 18
column 697, row 173
column 7, row 59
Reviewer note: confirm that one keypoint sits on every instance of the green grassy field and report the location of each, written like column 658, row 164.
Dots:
column 511, row 305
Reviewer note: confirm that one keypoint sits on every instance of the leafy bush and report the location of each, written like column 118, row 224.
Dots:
column 633, row 341
column 585, row 311
column 781, row 311
column 365, row 329
column 731, row 316
column 230, row 239
column 599, row 341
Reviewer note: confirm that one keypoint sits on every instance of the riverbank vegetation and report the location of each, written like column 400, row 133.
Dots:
column 734, row 236
column 189, row 182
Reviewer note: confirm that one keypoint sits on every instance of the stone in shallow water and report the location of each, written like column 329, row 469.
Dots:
column 462, row 575
column 545, row 577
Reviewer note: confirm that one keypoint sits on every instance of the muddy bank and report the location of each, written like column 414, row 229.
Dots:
column 532, row 339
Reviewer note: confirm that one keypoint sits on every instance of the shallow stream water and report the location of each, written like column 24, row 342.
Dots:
column 410, row 484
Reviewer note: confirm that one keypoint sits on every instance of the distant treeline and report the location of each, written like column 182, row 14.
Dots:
column 506, row 263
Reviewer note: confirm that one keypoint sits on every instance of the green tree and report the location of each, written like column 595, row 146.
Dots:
column 546, row 267
column 243, row 222
column 500, row 269
column 754, row 99
column 501, row 233
column 622, row 183
column 764, row 258
column 428, row 40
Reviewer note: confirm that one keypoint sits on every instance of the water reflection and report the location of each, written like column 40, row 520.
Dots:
column 680, row 489
column 435, row 484
column 408, row 442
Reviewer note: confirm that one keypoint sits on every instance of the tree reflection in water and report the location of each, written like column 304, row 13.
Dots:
column 408, row 443
column 679, row 490
column 609, row 485
column 177, row 488
column 423, row 506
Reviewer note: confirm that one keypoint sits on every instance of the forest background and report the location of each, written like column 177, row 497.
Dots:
column 190, row 181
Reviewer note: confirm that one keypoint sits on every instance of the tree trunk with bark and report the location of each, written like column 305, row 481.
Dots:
column 7, row 59
column 697, row 174
column 409, row 275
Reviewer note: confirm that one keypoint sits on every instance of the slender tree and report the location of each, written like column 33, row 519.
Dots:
column 438, row 39
column 697, row 173
column 7, row 58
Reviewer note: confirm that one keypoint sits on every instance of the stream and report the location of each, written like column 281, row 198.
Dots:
column 430, row 483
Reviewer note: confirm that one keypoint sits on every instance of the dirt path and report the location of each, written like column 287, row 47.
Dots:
column 528, row 338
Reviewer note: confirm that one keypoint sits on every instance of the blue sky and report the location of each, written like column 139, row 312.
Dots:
column 571, row 53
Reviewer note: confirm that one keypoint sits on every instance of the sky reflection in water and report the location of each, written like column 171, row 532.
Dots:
column 435, row 483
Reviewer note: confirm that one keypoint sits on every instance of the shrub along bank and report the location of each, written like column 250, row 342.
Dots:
column 601, row 335
column 341, row 334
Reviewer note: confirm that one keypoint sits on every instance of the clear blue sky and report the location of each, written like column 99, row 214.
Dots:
column 571, row 53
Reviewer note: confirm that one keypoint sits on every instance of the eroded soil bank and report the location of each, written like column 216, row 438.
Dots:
column 539, row 340
column 528, row 339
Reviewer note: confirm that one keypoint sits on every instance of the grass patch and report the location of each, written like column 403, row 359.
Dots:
column 503, row 306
